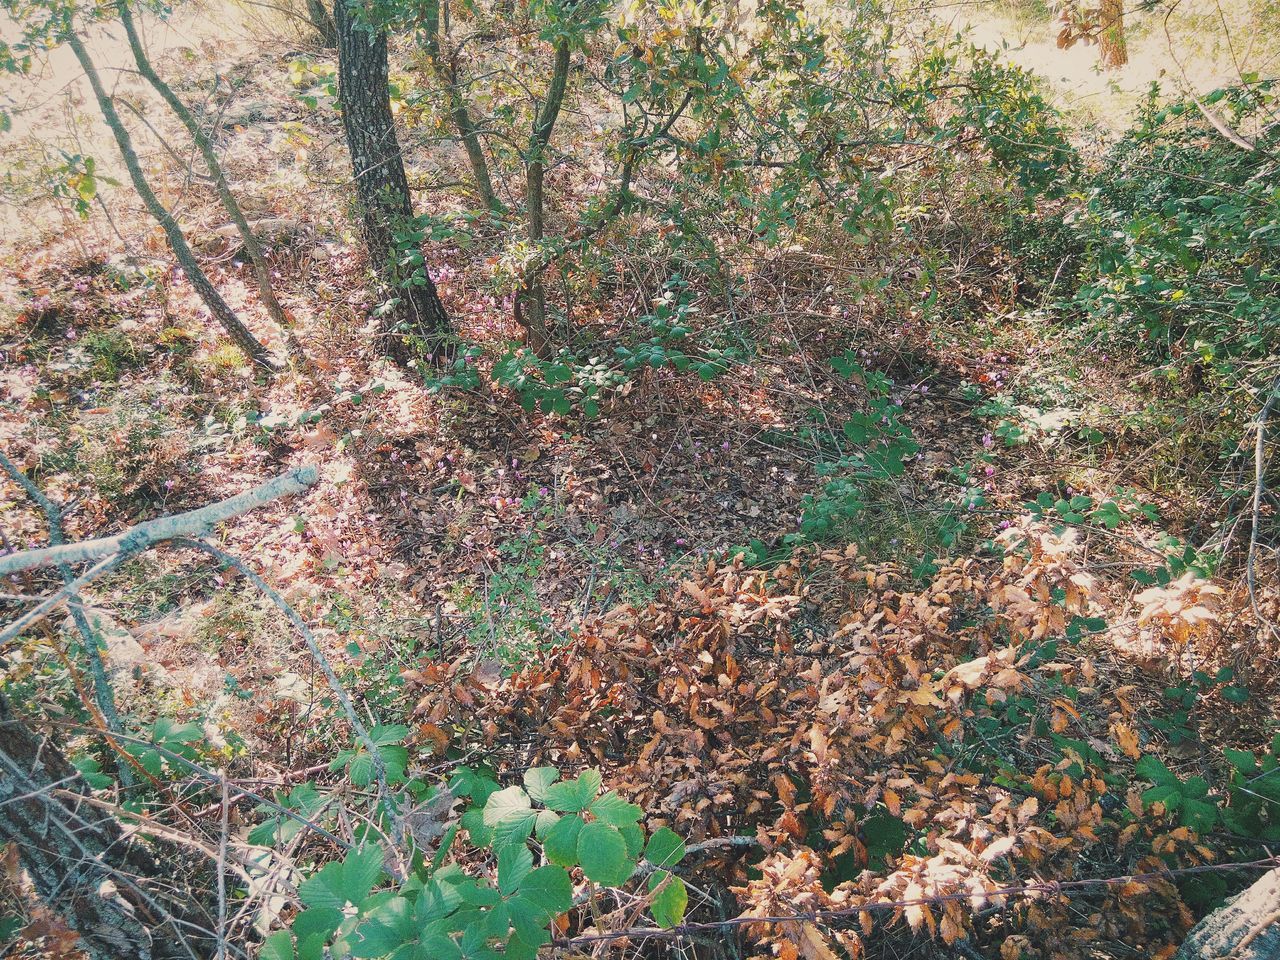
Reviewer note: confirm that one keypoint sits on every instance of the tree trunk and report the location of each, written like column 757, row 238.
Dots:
column 251, row 246
column 444, row 65
column 322, row 20
column 110, row 889
column 223, row 313
column 382, row 187
column 1112, row 49
column 1247, row 928
column 531, row 299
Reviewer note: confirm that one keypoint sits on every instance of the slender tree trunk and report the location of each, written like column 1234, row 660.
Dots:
column 251, row 246
column 1112, row 48
column 322, row 20
column 112, row 890
column 444, row 65
column 382, row 187
column 221, row 311
column 531, row 299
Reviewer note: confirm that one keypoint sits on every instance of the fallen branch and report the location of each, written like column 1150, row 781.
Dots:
column 193, row 523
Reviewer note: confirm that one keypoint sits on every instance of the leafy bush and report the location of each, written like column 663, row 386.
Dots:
column 441, row 911
column 1182, row 230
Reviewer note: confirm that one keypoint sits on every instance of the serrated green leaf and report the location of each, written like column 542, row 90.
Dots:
column 324, row 888
column 602, row 852
column 1151, row 767
column 317, row 922
column 473, row 822
column 514, row 864
column 361, row 869
column 574, row 796
column 561, row 842
column 1199, row 814
column 612, row 809
column 634, row 837
column 514, row 830
column 439, row 947
column 1242, row 760
column 362, row 769
column 669, row 905
column 509, row 803
column 665, row 848
column 550, row 889
column 384, row 734
column 373, row 938
column 1169, row 795
column 537, row 779
column 278, row 946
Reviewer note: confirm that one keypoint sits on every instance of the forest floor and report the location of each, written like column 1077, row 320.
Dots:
column 443, row 517
column 455, row 522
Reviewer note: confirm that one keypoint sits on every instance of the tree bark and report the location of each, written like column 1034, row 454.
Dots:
column 251, row 246
column 1246, row 928
column 112, row 890
column 382, row 187
column 531, row 299
column 444, row 64
column 221, row 311
column 1112, row 48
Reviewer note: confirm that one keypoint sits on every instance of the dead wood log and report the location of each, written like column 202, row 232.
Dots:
column 1246, row 928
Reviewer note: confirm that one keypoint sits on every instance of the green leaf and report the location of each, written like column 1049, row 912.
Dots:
column 439, row 947
column 666, row 848
column 514, row 830
column 602, row 851
column 514, row 864
column 324, row 888
column 509, row 803
column 669, row 905
column 1152, row 768
column 612, row 809
column 1169, row 795
column 546, row 819
column 278, row 946
column 374, row 939
column 360, row 871
column 1242, row 760
column 550, row 888
column 561, row 842
column 1199, row 814
column 634, row 838
column 573, row 796
column 362, row 770
column 537, row 779
column 317, row 922
column 473, row 822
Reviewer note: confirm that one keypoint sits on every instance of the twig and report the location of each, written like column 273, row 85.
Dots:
column 58, row 596
column 208, row 776
column 1259, row 451
column 222, row 875
column 102, row 690
column 348, row 708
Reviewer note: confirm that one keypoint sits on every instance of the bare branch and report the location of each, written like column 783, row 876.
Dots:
column 193, row 523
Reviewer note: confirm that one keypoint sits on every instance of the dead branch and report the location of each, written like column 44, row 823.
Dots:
column 193, row 523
